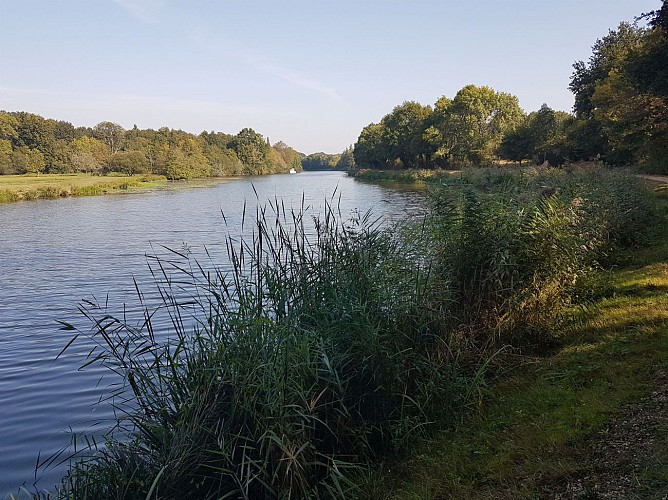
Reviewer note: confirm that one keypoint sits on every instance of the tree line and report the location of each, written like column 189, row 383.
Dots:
column 326, row 161
column 30, row 143
column 620, row 115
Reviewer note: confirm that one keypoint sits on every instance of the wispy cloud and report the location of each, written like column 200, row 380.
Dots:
column 300, row 80
column 145, row 10
column 290, row 75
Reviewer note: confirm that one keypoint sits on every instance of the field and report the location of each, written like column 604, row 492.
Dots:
column 28, row 187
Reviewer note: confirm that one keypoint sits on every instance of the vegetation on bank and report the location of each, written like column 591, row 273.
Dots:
column 534, row 431
column 620, row 115
column 403, row 176
column 23, row 187
column 329, row 349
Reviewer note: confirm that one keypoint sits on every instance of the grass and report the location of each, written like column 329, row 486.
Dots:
column 532, row 430
column 403, row 175
column 328, row 349
column 29, row 187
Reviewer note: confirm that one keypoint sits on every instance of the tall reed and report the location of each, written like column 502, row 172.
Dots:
column 283, row 377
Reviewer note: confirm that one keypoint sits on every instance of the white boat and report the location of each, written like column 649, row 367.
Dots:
column 293, row 171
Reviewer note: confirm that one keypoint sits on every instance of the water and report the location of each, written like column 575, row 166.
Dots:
column 54, row 253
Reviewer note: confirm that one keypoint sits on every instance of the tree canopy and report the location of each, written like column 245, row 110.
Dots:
column 465, row 130
column 620, row 115
column 30, row 143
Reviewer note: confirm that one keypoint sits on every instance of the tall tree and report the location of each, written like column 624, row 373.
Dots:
column 372, row 149
column 251, row 148
column 112, row 134
column 477, row 120
column 404, row 127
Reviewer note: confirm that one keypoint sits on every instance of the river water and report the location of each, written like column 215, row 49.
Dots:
column 55, row 253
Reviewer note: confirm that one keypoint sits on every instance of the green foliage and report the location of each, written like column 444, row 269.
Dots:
column 477, row 118
column 371, row 149
column 109, row 147
column 224, row 161
column 251, row 148
column 289, row 157
column 112, row 134
column 128, row 162
column 513, row 249
column 539, row 425
column 623, row 91
column 313, row 356
column 320, row 161
column 8, row 126
column 466, row 130
column 404, row 128
column 541, row 138
column 347, row 159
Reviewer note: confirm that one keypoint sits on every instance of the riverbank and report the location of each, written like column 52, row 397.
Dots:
column 402, row 176
column 587, row 421
column 335, row 355
column 32, row 187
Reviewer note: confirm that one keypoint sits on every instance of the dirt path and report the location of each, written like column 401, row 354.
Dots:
column 655, row 178
column 629, row 458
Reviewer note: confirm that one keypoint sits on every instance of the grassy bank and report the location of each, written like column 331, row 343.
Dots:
column 402, row 176
column 537, row 426
column 28, row 187
column 324, row 353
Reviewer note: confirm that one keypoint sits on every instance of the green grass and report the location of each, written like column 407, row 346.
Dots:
column 531, row 431
column 403, row 176
column 29, row 187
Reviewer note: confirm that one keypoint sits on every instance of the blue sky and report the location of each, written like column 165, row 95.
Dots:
column 311, row 73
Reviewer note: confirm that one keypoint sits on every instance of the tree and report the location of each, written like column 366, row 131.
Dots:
column 403, row 133
column 437, row 137
column 251, row 148
column 518, row 145
column 59, row 157
column 477, row 120
column 608, row 53
column 290, row 157
column 6, row 166
column 8, row 126
column 33, row 131
column 128, row 162
column 372, row 149
column 89, row 154
column 28, row 161
column 320, row 161
column 347, row 159
column 622, row 93
column 112, row 134
column 223, row 161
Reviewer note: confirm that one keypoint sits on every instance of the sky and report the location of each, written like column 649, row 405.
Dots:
column 310, row 73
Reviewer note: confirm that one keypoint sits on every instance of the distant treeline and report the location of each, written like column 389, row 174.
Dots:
column 30, row 143
column 620, row 115
column 324, row 161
